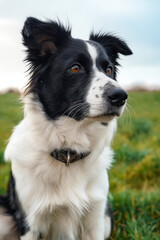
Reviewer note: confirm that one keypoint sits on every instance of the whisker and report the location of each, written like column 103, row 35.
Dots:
column 128, row 115
column 74, row 108
column 71, row 108
column 131, row 108
column 132, row 98
column 80, row 109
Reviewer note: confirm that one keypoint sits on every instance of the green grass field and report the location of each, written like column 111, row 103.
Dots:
column 135, row 175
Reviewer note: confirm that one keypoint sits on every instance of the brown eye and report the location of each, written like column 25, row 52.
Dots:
column 109, row 71
column 75, row 68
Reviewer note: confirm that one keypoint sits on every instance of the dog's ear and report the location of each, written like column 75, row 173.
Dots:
column 112, row 45
column 43, row 38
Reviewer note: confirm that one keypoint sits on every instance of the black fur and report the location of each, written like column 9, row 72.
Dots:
column 113, row 46
column 104, row 124
column 109, row 213
column 11, row 203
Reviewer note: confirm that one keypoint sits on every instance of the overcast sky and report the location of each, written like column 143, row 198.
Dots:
column 136, row 21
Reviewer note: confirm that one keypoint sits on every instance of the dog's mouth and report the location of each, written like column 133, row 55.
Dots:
column 107, row 116
column 112, row 114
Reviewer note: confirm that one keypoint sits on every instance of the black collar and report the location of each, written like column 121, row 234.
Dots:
column 68, row 156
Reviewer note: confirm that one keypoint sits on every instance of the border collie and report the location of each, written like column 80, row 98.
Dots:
column 61, row 149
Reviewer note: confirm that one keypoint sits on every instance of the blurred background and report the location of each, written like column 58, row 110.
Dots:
column 135, row 21
column 135, row 175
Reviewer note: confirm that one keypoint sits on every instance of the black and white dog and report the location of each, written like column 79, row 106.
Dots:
column 61, row 149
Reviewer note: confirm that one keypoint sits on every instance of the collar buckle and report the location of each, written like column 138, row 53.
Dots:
column 68, row 159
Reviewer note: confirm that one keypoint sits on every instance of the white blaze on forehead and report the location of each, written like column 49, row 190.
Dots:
column 93, row 53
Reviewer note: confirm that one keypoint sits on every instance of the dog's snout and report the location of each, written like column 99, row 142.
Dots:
column 117, row 97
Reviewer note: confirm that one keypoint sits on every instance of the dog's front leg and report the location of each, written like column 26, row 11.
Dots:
column 93, row 222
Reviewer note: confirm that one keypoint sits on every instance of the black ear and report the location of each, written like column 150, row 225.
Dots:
column 112, row 44
column 43, row 38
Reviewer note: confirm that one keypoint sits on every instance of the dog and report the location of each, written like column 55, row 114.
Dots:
column 60, row 151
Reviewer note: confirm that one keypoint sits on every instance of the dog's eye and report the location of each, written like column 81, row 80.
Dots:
column 75, row 68
column 109, row 71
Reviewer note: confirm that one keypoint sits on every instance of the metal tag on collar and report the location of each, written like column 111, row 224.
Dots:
column 68, row 159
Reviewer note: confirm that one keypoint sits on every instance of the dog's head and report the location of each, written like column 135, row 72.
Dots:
column 73, row 77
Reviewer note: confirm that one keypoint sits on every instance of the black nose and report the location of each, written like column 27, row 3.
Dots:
column 117, row 97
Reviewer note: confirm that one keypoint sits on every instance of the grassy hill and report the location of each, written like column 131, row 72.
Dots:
column 135, row 175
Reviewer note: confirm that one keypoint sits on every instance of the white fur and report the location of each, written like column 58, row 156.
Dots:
column 8, row 229
column 108, row 228
column 57, row 198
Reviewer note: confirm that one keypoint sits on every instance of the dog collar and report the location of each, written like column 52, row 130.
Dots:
column 68, row 156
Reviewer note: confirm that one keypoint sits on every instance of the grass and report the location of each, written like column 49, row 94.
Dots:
column 136, row 216
column 135, row 175
column 10, row 115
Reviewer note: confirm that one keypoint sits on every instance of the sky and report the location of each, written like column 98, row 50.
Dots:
column 135, row 21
